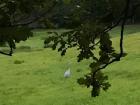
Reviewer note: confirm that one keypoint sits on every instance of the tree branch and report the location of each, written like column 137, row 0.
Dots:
column 121, row 39
column 36, row 18
column 9, row 54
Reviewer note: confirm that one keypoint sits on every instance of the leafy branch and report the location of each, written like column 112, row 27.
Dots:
column 85, row 39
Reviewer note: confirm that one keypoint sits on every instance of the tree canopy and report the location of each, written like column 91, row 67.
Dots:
column 94, row 19
column 15, row 15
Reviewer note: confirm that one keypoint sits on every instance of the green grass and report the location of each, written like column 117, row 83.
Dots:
column 37, row 76
column 129, row 29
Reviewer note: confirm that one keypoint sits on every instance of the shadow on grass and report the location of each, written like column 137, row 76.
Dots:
column 21, row 49
column 129, row 29
column 26, row 49
column 127, row 75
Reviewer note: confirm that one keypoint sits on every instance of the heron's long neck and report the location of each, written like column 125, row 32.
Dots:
column 69, row 68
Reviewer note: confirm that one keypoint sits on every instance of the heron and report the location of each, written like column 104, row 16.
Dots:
column 67, row 73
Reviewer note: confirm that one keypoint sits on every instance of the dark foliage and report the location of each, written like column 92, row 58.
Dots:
column 97, row 19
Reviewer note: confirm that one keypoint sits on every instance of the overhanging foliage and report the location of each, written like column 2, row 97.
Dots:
column 97, row 19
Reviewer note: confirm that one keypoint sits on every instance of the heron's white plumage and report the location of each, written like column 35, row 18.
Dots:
column 67, row 73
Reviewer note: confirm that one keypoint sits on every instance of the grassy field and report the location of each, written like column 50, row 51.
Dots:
column 34, row 76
